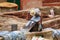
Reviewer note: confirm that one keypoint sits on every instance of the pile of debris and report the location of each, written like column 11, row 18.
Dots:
column 28, row 20
column 6, row 22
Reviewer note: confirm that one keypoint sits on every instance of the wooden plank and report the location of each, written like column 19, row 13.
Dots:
column 53, row 23
column 45, row 34
column 15, row 12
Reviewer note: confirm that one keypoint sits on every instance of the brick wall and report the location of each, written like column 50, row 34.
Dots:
column 25, row 4
column 51, row 3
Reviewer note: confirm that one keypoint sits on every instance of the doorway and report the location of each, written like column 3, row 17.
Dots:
column 15, row 1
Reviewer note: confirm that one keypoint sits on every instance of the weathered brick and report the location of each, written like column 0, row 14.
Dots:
column 31, row 3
